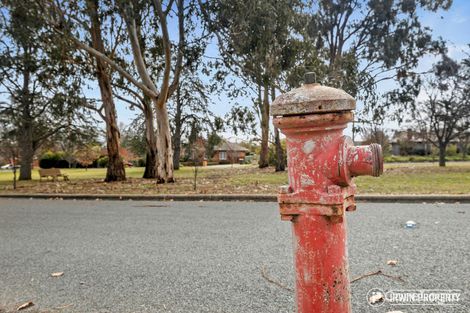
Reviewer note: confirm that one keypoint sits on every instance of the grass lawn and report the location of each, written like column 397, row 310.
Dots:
column 399, row 178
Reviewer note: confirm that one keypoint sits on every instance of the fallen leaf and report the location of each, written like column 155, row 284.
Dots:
column 57, row 274
column 376, row 298
column 392, row 262
column 25, row 305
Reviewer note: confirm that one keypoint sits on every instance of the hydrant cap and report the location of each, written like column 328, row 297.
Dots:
column 312, row 98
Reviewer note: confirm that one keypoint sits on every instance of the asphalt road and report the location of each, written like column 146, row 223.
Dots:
column 129, row 256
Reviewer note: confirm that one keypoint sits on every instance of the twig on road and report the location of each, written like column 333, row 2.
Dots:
column 273, row 281
column 379, row 272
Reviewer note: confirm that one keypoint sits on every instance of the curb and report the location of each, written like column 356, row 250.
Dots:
column 238, row 197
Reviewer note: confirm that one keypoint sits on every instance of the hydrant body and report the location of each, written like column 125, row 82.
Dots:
column 321, row 165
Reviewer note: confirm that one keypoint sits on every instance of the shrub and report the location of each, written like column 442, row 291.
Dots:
column 53, row 159
column 139, row 163
column 102, row 161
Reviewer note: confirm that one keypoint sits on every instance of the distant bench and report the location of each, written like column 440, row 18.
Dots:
column 51, row 172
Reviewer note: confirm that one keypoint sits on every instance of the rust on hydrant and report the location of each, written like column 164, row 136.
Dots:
column 321, row 165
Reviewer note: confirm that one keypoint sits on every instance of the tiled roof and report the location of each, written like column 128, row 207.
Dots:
column 230, row 146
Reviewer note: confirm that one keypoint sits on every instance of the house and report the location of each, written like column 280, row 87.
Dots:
column 229, row 152
column 409, row 142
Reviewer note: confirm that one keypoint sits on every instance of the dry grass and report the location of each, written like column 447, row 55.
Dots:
column 403, row 178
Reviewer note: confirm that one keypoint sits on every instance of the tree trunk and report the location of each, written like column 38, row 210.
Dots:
column 464, row 147
column 177, row 152
column 26, row 153
column 264, row 154
column 280, row 164
column 26, row 134
column 115, row 170
column 442, row 154
column 151, row 162
column 165, row 149
column 177, row 134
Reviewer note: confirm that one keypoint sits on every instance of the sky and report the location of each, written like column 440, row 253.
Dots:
column 452, row 25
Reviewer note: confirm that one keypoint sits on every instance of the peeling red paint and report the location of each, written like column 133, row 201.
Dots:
column 321, row 165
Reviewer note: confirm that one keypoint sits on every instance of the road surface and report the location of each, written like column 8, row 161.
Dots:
column 131, row 256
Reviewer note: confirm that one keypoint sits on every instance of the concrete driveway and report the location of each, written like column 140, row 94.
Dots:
column 130, row 256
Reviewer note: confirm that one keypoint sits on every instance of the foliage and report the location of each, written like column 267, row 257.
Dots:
column 355, row 44
column 102, row 161
column 446, row 111
column 241, row 120
column 39, row 77
column 87, row 154
column 255, row 42
column 377, row 135
column 272, row 153
column 421, row 158
column 53, row 159
column 212, row 141
column 133, row 137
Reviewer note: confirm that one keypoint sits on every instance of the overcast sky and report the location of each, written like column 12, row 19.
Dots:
column 452, row 25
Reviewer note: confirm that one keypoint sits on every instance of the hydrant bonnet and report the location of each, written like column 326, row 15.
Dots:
column 312, row 98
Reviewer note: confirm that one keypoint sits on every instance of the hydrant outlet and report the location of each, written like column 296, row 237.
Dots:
column 365, row 160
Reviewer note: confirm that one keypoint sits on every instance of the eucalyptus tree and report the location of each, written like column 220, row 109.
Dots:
column 356, row 44
column 157, row 89
column 93, row 22
column 115, row 169
column 41, row 93
column 189, row 99
column 255, row 39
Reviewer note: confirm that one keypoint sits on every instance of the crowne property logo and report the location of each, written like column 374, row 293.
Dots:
column 378, row 297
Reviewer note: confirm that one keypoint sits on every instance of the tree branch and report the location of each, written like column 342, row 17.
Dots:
column 167, row 48
column 132, row 103
column 181, row 43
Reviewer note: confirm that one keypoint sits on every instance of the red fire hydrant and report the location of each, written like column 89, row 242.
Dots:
column 321, row 165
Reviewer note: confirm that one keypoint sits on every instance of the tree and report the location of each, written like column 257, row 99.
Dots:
column 70, row 142
column 213, row 137
column 463, row 136
column 255, row 40
column 190, row 109
column 133, row 137
column 354, row 45
column 87, row 154
column 131, row 13
column 197, row 150
column 280, row 159
column 445, row 112
column 9, row 150
column 42, row 92
column 115, row 169
column 92, row 23
column 376, row 134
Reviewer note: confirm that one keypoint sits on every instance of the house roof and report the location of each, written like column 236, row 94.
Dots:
column 230, row 146
column 409, row 135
